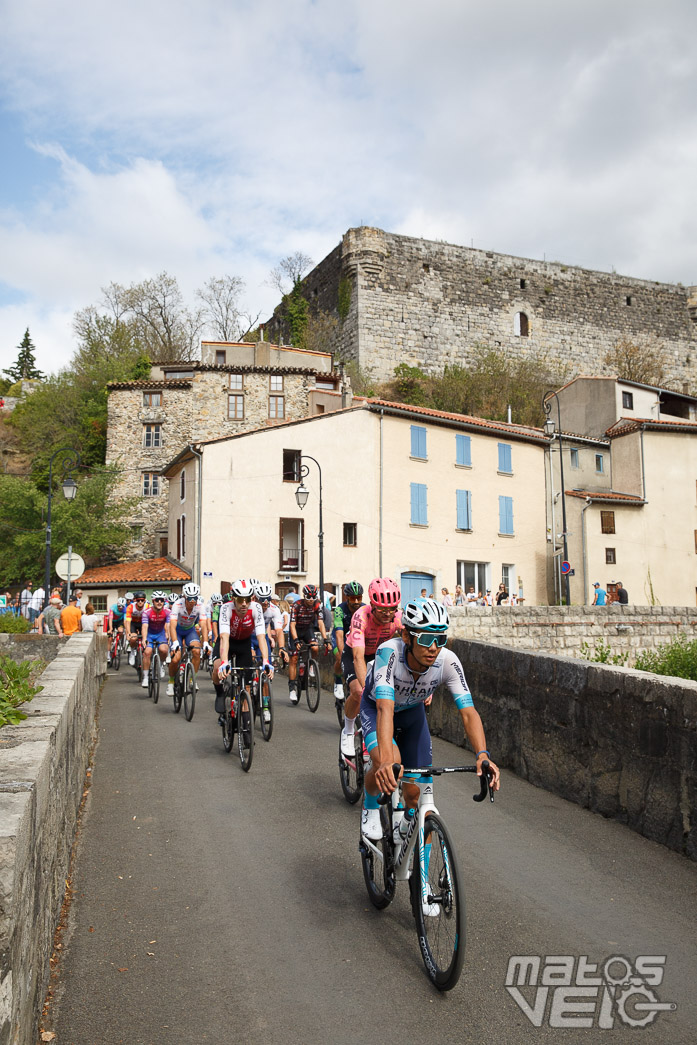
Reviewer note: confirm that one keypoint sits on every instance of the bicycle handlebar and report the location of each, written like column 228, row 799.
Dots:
column 425, row 771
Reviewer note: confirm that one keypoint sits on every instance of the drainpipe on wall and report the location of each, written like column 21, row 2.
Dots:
column 382, row 414
column 199, row 496
column 643, row 473
column 585, row 508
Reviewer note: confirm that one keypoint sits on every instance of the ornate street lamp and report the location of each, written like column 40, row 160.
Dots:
column 301, row 496
column 69, row 486
column 549, row 431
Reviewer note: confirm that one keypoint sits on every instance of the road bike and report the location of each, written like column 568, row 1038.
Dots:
column 425, row 857
column 185, row 684
column 237, row 718
column 351, row 768
column 137, row 652
column 154, row 676
column 262, row 698
column 308, row 675
column 115, row 650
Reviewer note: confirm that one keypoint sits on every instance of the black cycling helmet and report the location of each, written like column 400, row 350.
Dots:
column 228, row 596
column 353, row 588
column 139, row 595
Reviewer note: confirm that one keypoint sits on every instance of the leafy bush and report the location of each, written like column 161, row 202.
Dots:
column 677, row 658
column 17, row 687
column 13, row 625
column 602, row 653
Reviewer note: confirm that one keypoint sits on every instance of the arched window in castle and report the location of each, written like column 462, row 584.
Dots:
column 521, row 326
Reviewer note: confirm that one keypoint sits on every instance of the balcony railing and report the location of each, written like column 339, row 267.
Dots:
column 292, row 560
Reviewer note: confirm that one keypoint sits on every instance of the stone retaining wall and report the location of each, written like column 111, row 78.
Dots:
column 619, row 742
column 564, row 629
column 42, row 769
column 30, row 646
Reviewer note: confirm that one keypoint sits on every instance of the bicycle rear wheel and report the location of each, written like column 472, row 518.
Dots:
column 377, row 867
column 312, row 686
column 189, row 691
column 178, row 690
column 229, row 724
column 266, row 705
column 351, row 770
column 139, row 664
column 439, row 908
column 245, row 732
column 154, row 680
column 116, row 655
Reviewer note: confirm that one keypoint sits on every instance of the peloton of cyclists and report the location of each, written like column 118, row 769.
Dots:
column 240, row 618
column 371, row 625
column 401, row 679
column 305, row 619
column 187, row 613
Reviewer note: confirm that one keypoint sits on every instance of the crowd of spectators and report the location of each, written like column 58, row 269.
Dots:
column 58, row 617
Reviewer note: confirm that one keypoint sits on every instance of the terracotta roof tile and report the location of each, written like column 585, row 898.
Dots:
column 526, row 431
column 633, row 424
column 145, row 571
column 608, row 495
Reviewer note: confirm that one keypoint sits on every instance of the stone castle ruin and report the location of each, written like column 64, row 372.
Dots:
column 430, row 304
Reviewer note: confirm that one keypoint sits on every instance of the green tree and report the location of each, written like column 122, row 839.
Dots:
column 25, row 368
column 93, row 523
column 297, row 312
column 644, row 360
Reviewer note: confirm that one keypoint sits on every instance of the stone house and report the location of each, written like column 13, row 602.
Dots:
column 426, row 497
column 429, row 304
column 234, row 388
column 103, row 585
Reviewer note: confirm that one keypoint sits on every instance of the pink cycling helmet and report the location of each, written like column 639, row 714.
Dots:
column 384, row 593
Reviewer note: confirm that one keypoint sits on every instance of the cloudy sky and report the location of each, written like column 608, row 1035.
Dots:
column 218, row 137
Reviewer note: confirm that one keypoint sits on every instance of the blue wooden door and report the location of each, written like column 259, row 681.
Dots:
column 412, row 583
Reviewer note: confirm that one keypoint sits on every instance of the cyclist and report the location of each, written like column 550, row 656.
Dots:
column 117, row 615
column 187, row 614
column 401, row 680
column 213, row 613
column 370, row 625
column 240, row 618
column 353, row 592
column 134, row 622
column 154, row 632
column 305, row 619
column 272, row 620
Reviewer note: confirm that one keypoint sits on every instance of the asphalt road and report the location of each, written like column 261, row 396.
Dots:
column 217, row 906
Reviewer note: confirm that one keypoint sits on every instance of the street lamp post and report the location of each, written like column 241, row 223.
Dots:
column 69, row 490
column 301, row 496
column 549, row 430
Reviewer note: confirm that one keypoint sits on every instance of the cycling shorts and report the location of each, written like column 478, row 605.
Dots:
column 307, row 636
column 410, row 732
column 187, row 635
column 157, row 638
column 348, row 669
column 240, row 649
column 135, row 627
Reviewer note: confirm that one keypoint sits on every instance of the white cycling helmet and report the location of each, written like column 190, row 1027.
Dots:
column 216, row 597
column 121, row 603
column 191, row 590
column 172, row 598
column 129, row 596
column 242, row 589
column 425, row 615
column 159, row 595
column 263, row 591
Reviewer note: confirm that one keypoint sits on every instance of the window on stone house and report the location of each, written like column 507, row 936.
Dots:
column 610, row 557
column 291, row 466
column 152, row 398
column 236, row 382
column 627, row 401
column 599, row 463
column 607, row 522
column 350, row 535
column 220, row 357
column 99, row 603
column 152, row 436
column 573, row 454
column 629, row 300
column 182, row 485
column 164, row 547
column 235, row 408
column 181, row 537
column 276, row 383
column 276, row 407
column 151, row 484
column 523, row 284
column 521, row 325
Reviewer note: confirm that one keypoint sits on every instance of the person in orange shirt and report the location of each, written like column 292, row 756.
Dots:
column 71, row 617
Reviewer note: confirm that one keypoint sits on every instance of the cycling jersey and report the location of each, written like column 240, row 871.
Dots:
column 273, row 618
column 303, row 616
column 116, row 615
column 156, row 619
column 252, row 621
column 214, row 614
column 389, row 678
column 134, row 616
column 184, row 619
column 368, row 632
column 342, row 616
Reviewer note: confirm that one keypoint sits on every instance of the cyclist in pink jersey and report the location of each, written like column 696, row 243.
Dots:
column 370, row 626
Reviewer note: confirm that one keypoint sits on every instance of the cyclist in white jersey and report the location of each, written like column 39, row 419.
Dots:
column 186, row 613
column 400, row 681
column 273, row 619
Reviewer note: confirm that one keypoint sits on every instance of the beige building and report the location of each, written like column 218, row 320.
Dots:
column 235, row 388
column 429, row 498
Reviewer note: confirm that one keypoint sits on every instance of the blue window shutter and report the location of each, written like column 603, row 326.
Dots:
column 423, row 506
column 464, row 509
column 419, row 506
column 418, row 441
column 505, row 458
column 463, row 450
column 506, row 515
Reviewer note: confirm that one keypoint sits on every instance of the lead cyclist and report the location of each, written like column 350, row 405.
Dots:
column 400, row 681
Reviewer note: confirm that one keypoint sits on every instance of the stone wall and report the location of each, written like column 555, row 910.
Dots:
column 618, row 742
column 42, row 770
column 430, row 303
column 191, row 411
column 30, row 646
column 564, row 629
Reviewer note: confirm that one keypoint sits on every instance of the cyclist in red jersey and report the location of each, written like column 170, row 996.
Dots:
column 305, row 618
column 370, row 626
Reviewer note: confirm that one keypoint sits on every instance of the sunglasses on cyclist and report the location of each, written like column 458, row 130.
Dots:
column 243, row 598
column 424, row 638
column 158, row 600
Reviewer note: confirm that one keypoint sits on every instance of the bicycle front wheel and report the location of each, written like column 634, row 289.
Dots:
column 189, row 692
column 438, row 904
column 351, row 770
column 116, row 657
column 377, row 866
column 139, row 665
column 312, row 687
column 266, row 706
column 177, row 691
column 245, row 732
column 154, row 683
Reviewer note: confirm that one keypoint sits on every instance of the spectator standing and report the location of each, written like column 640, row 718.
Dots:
column 488, row 598
column 445, row 597
column 600, row 598
column 459, row 595
column 25, row 599
column 36, row 604
column 423, row 593
column 284, row 607
column 89, row 618
column 471, row 595
column 78, row 595
column 622, row 596
column 51, row 617
column 502, row 595
column 71, row 617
